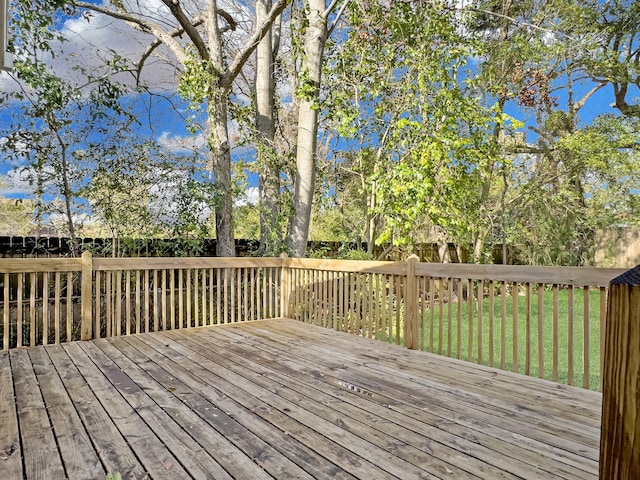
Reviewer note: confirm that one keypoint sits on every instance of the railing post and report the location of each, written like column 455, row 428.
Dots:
column 285, row 286
column 86, row 296
column 620, row 433
column 411, row 305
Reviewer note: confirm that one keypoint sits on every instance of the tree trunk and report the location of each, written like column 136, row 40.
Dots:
column 218, row 140
column 269, row 174
column 314, row 41
column 68, row 196
column 220, row 153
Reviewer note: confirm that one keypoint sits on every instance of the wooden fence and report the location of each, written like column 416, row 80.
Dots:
column 542, row 321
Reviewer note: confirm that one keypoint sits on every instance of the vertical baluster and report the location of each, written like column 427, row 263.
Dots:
column 211, row 299
column 570, row 333
column 459, row 339
column 69, row 306
column 163, row 294
column 147, row 306
column 527, row 361
column 6, row 313
column 541, row 330
column 492, row 294
column 97, row 321
column 127, row 301
column 470, row 319
column 45, row 308
column 503, row 325
column 108, row 294
column 138, row 302
column 586, row 338
column 480, row 299
column 172, row 298
column 187, row 298
column 154, row 297
column 556, row 342
column 56, row 307
column 33, row 330
column 180, row 298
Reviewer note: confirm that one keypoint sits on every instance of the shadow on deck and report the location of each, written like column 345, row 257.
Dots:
column 282, row 399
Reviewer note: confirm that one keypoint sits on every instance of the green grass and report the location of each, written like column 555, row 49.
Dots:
column 434, row 342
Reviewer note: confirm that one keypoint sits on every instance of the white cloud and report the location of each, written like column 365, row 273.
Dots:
column 91, row 39
column 177, row 143
column 250, row 197
column 17, row 182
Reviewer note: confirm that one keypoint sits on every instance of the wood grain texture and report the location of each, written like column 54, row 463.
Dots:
column 10, row 450
column 39, row 450
column 620, row 442
column 283, row 399
column 77, row 452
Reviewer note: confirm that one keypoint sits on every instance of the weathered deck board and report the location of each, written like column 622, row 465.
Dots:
column 111, row 447
column 423, row 407
column 281, row 399
column 78, row 455
column 10, row 452
column 39, row 450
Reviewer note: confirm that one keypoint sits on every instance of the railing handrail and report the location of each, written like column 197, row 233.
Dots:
column 576, row 276
column 33, row 265
column 159, row 263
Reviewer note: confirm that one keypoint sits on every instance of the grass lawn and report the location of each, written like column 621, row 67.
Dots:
column 436, row 333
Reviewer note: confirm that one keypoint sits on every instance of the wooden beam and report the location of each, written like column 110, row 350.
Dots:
column 285, row 286
column 620, row 434
column 411, row 305
column 86, row 297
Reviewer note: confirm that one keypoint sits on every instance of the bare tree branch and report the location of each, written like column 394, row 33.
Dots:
column 229, row 19
column 251, row 43
column 338, row 15
column 142, row 25
column 197, row 21
column 578, row 105
column 189, row 28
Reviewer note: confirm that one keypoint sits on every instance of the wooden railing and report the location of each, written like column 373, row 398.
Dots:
column 542, row 321
column 59, row 300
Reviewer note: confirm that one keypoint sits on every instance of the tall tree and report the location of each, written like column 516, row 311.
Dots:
column 207, row 78
column 315, row 30
column 420, row 129
column 57, row 126
column 265, row 119
column 549, row 60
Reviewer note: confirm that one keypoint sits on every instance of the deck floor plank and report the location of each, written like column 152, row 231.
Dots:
column 111, row 447
column 78, row 454
column 434, row 376
column 241, row 426
column 320, row 464
column 477, row 378
column 420, row 451
column 327, row 386
column 224, row 453
column 39, row 450
column 311, row 427
column 187, row 451
column 279, row 399
column 459, row 434
column 157, row 459
column 10, row 452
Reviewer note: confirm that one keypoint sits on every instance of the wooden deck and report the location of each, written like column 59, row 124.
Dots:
column 282, row 399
